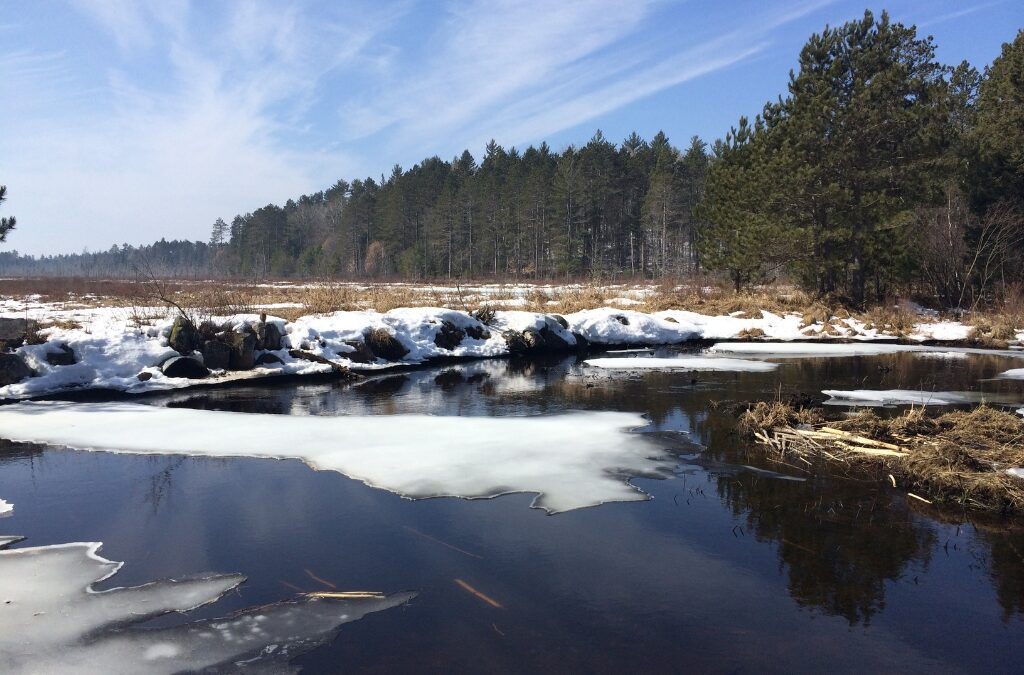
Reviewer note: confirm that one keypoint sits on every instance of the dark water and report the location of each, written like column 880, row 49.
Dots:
column 727, row 569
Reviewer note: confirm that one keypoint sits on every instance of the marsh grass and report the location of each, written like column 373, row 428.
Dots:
column 958, row 458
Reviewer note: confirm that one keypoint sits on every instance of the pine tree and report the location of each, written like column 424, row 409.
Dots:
column 7, row 223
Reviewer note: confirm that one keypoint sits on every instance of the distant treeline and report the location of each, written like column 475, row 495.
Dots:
column 881, row 170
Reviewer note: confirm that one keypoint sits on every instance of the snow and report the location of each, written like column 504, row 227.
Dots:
column 52, row 620
column 609, row 326
column 951, row 331
column 570, row 460
column 5, row 508
column 114, row 344
column 1013, row 374
column 885, row 397
column 684, row 363
column 1016, row 471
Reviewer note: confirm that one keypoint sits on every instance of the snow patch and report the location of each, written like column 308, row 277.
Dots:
column 684, row 363
column 885, row 397
column 1013, row 374
column 571, row 460
column 5, row 508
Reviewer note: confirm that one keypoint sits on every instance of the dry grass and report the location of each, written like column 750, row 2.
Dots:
column 956, row 459
column 991, row 329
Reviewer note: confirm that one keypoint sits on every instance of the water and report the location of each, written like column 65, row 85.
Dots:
column 730, row 567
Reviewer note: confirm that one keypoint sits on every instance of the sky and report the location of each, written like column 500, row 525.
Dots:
column 127, row 121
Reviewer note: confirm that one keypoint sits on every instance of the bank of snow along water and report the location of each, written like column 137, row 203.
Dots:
column 56, row 350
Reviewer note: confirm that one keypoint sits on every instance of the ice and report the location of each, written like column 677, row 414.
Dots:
column 5, row 508
column 1013, row 374
column 885, row 397
column 52, row 621
column 813, row 349
column 571, row 460
column 684, row 363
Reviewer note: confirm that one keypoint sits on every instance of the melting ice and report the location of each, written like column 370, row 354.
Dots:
column 571, row 460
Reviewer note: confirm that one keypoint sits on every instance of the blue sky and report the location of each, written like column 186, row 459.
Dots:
column 128, row 121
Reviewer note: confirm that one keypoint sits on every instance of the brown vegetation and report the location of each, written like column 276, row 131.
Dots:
column 955, row 459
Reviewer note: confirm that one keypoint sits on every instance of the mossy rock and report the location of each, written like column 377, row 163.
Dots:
column 184, row 337
column 384, row 345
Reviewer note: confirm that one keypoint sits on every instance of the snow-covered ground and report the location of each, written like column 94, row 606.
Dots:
column 122, row 348
column 571, row 460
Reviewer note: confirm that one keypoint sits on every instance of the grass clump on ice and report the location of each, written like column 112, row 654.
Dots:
column 958, row 458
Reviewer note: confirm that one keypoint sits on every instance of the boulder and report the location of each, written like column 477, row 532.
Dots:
column 515, row 341
column 669, row 319
column 184, row 366
column 384, row 345
column 64, row 356
column 267, row 358
column 621, row 319
column 561, row 321
column 554, row 342
column 13, row 369
column 144, row 376
column 184, row 337
column 216, row 355
column 14, row 331
column 362, row 353
column 270, row 336
column 581, row 341
column 449, row 336
column 478, row 333
column 242, row 347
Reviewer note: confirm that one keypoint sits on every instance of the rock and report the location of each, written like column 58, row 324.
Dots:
column 362, row 353
column 561, row 321
column 184, row 337
column 64, row 357
column 621, row 319
column 216, row 355
column 13, row 369
column 242, row 346
column 554, row 342
column 14, row 331
column 270, row 335
column 534, row 340
column 184, row 366
column 478, row 333
column 267, row 358
column 208, row 329
column 581, row 341
column 670, row 319
column 515, row 341
column 144, row 377
column 384, row 345
column 450, row 336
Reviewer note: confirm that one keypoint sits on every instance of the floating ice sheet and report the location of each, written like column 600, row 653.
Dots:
column 803, row 349
column 572, row 460
column 884, row 397
column 684, row 363
column 1014, row 374
column 51, row 621
column 5, row 507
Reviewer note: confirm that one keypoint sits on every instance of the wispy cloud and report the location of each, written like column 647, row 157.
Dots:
column 956, row 14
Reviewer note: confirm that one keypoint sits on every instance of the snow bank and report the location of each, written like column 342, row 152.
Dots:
column 571, row 460
column 52, row 621
column 610, row 326
column 950, row 331
column 684, row 363
column 885, row 397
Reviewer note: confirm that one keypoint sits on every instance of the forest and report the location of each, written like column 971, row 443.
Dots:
column 879, row 171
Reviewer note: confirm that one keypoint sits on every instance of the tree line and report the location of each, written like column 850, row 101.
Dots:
column 879, row 171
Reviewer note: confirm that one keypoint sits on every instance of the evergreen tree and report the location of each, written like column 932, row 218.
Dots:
column 7, row 223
